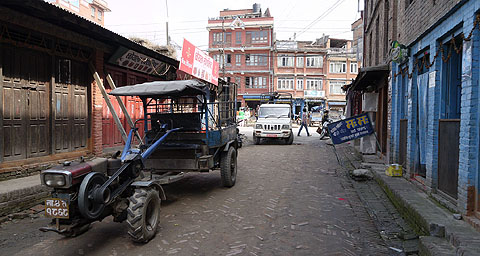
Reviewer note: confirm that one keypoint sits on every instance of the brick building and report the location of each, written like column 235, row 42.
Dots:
column 379, row 30
column 357, row 42
column 92, row 10
column 435, row 99
column 299, row 69
column 241, row 41
column 51, row 108
column 342, row 68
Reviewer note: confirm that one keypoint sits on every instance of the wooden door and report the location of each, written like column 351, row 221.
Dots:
column 14, row 96
column 448, row 156
column 38, row 143
column 70, row 106
column 402, row 158
column 62, row 111
column 79, row 106
column 110, row 135
column 25, row 119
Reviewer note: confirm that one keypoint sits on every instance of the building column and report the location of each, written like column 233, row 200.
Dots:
column 395, row 116
column 389, row 145
column 412, row 123
column 468, row 156
column 434, row 100
column 97, row 107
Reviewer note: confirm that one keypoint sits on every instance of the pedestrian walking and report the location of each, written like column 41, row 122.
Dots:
column 241, row 117
column 304, row 122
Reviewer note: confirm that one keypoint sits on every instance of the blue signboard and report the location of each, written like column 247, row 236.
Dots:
column 350, row 128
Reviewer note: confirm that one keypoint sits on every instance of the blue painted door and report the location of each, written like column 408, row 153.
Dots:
column 422, row 128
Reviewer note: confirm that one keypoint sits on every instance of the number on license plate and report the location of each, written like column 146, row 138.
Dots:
column 271, row 135
column 56, row 208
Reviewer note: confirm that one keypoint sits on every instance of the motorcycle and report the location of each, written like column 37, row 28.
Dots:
column 323, row 129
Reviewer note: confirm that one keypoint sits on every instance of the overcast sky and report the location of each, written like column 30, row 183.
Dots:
column 188, row 18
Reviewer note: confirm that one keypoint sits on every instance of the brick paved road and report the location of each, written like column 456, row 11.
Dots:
column 289, row 200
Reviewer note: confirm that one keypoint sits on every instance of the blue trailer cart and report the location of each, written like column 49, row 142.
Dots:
column 190, row 126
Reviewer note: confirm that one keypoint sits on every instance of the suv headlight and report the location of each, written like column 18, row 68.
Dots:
column 258, row 126
column 56, row 180
column 285, row 127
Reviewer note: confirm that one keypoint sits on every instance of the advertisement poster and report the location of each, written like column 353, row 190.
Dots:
column 198, row 64
column 350, row 128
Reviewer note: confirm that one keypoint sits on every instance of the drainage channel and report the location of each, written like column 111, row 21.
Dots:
column 399, row 237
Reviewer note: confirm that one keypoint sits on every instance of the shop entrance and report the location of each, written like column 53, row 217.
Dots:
column 449, row 124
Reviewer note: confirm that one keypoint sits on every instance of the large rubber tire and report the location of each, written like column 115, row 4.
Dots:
column 143, row 214
column 256, row 140
column 289, row 140
column 228, row 167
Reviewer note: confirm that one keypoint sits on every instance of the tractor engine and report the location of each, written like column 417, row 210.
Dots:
column 69, row 174
column 69, row 205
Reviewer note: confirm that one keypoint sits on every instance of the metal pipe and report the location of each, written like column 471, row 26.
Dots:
column 153, row 147
column 128, row 143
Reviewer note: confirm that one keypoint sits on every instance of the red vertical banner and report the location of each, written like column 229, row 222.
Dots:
column 198, row 64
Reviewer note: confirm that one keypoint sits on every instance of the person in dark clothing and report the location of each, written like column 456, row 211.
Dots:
column 325, row 116
column 304, row 122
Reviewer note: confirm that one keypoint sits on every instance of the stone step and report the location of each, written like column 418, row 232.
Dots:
column 20, row 194
column 435, row 246
column 375, row 166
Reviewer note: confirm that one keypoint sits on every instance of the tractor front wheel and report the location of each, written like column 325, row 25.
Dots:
column 143, row 214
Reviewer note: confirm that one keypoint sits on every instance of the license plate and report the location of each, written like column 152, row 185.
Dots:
column 56, row 208
column 272, row 135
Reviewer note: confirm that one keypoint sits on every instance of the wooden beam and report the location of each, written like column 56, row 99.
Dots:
column 109, row 104
column 124, row 109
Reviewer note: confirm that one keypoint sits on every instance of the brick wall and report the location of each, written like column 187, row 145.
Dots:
column 22, row 199
column 379, row 13
column 97, row 108
column 418, row 16
column 469, row 148
column 462, row 18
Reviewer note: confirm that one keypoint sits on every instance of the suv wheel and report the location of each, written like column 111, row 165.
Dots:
column 289, row 140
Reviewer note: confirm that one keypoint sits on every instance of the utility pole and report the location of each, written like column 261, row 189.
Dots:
column 166, row 24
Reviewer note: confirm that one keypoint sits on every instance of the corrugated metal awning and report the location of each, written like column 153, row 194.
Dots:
column 369, row 76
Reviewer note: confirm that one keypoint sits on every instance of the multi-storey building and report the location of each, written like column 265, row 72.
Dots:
column 241, row 41
column 342, row 68
column 379, row 31
column 299, row 70
column 357, row 43
column 92, row 10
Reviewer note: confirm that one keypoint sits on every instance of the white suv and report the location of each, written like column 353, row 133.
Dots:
column 274, row 122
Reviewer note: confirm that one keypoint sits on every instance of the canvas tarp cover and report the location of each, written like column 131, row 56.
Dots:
column 163, row 88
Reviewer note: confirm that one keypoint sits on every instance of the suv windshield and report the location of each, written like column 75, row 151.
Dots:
column 273, row 112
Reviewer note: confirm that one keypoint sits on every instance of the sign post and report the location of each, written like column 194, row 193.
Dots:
column 350, row 129
column 198, row 64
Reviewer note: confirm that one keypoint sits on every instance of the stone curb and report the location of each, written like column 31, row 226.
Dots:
column 21, row 199
column 442, row 234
